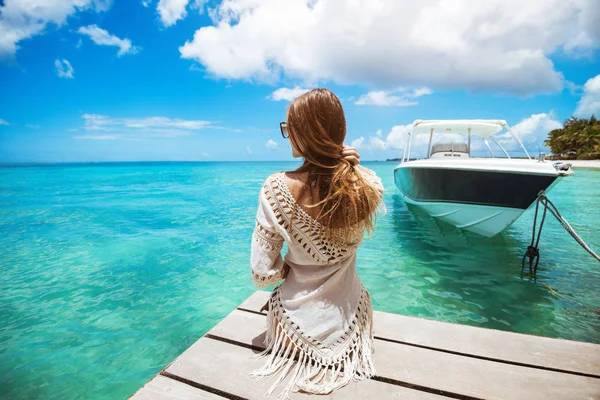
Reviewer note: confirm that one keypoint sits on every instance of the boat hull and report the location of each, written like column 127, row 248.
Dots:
column 482, row 198
column 482, row 220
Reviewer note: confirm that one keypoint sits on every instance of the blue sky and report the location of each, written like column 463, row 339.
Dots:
column 101, row 80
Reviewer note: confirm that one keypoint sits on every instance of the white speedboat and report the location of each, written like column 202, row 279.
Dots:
column 482, row 195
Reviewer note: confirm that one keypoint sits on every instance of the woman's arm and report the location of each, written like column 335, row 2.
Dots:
column 266, row 263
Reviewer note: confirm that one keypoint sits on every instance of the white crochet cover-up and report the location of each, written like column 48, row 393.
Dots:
column 321, row 308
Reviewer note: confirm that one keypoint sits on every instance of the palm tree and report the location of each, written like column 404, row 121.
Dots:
column 579, row 138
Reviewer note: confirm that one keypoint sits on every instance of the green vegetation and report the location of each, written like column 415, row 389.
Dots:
column 578, row 139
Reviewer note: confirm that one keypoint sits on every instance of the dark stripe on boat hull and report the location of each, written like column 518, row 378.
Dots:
column 490, row 188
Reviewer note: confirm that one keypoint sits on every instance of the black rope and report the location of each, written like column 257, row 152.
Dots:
column 533, row 251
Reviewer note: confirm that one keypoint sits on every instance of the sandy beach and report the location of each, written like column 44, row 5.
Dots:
column 584, row 163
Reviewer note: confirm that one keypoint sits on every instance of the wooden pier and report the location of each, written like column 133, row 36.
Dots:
column 415, row 359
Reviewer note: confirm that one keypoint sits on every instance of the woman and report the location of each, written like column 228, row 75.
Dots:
column 320, row 316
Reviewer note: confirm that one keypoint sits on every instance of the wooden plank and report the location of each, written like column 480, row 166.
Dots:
column 226, row 367
column 440, row 370
column 163, row 388
column 577, row 357
column 256, row 300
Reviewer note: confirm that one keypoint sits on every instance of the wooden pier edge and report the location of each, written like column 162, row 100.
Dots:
column 415, row 358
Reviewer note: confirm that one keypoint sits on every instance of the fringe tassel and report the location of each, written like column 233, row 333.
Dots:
column 315, row 373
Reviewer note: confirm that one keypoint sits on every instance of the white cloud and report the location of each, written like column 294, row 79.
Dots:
column 397, row 139
column 103, row 38
column 146, row 3
column 248, row 150
column 357, row 143
column 382, row 98
column 102, row 122
column 424, row 91
column 64, row 69
column 590, row 100
column 398, row 97
column 109, row 128
column 171, row 11
column 532, row 126
column 287, row 94
column 101, row 137
column 3, row 122
column 271, row 145
column 377, row 143
column 20, row 20
column 574, row 89
column 199, row 5
column 532, row 131
column 474, row 45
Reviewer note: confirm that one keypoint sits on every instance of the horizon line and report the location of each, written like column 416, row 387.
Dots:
column 156, row 161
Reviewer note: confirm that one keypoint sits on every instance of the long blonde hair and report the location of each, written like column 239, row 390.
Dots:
column 317, row 129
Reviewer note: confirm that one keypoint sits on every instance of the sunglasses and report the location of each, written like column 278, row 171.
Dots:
column 284, row 130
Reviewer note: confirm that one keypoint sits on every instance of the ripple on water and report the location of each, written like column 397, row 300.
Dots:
column 110, row 271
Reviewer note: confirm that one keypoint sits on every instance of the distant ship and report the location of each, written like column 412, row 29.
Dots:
column 482, row 195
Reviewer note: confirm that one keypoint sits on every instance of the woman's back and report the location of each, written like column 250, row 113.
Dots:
column 288, row 209
column 319, row 321
column 305, row 193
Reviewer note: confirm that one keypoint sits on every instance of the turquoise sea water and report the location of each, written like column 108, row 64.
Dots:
column 109, row 271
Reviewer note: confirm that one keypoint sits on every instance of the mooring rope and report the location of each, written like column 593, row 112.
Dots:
column 533, row 251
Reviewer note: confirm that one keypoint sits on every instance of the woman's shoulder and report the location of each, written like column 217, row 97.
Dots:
column 275, row 180
column 292, row 178
column 277, row 187
column 272, row 177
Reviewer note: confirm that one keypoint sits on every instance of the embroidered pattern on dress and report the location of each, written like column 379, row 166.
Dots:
column 263, row 281
column 308, row 232
column 319, row 369
column 271, row 241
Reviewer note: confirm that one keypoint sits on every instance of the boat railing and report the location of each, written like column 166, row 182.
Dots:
column 431, row 151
